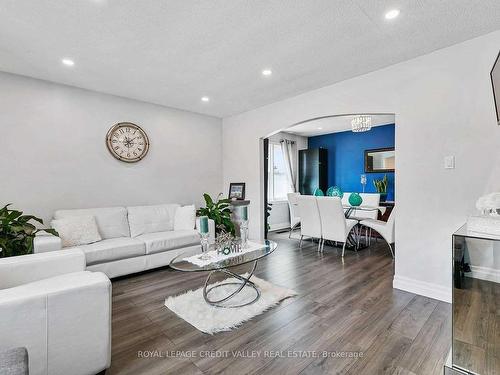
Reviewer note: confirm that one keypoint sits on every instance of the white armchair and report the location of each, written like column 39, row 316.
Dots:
column 58, row 311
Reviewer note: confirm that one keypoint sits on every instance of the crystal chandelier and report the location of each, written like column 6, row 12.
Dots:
column 361, row 123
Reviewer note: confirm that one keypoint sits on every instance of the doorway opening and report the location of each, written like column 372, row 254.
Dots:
column 316, row 155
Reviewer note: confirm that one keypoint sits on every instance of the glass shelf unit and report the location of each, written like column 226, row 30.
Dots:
column 476, row 303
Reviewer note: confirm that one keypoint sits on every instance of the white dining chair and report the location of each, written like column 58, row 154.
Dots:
column 345, row 198
column 334, row 225
column 371, row 200
column 310, row 225
column 294, row 211
column 385, row 229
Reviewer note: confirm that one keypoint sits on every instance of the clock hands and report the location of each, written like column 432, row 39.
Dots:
column 129, row 142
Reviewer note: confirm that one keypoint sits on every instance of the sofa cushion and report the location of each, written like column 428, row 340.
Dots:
column 112, row 249
column 163, row 241
column 151, row 219
column 111, row 221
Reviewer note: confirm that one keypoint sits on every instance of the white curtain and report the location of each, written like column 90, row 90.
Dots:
column 289, row 150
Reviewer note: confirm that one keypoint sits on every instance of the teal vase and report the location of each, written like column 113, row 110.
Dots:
column 337, row 192
column 355, row 199
column 319, row 193
column 334, row 191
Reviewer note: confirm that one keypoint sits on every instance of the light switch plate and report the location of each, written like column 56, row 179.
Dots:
column 449, row 162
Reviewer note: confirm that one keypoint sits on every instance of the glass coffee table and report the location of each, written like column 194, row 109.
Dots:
column 245, row 256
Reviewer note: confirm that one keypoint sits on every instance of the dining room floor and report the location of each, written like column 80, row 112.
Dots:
column 346, row 319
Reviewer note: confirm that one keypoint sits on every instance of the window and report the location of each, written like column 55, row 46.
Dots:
column 278, row 185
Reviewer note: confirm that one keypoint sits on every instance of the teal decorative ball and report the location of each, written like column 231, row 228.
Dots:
column 329, row 192
column 337, row 192
column 355, row 199
column 319, row 193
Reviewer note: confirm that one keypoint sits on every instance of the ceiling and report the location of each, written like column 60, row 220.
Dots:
column 335, row 124
column 174, row 52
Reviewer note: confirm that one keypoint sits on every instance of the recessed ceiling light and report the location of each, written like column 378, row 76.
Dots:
column 205, row 99
column 393, row 13
column 267, row 72
column 68, row 62
column 320, row 128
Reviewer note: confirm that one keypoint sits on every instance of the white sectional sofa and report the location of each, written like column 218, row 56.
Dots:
column 58, row 311
column 134, row 239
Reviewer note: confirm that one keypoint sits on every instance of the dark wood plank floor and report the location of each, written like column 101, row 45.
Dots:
column 477, row 326
column 344, row 305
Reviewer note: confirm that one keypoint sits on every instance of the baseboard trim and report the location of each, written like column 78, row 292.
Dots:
column 422, row 288
column 485, row 273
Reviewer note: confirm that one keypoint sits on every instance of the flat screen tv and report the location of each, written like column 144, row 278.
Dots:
column 495, row 81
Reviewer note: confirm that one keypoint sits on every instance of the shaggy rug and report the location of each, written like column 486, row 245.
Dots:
column 191, row 306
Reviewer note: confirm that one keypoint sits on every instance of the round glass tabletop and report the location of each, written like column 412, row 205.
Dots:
column 180, row 264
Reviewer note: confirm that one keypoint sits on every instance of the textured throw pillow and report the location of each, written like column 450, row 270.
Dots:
column 77, row 230
column 185, row 218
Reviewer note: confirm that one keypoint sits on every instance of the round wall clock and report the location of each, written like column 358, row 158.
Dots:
column 127, row 142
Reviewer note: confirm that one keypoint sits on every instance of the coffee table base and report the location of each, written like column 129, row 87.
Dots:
column 244, row 282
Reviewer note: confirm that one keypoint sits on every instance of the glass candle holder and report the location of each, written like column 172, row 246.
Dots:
column 244, row 233
column 204, row 239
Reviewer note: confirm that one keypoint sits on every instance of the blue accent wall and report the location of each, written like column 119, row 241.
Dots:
column 346, row 154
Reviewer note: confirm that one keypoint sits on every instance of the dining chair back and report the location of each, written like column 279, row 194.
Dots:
column 293, row 208
column 371, row 200
column 333, row 221
column 310, row 225
column 345, row 198
column 390, row 238
column 385, row 229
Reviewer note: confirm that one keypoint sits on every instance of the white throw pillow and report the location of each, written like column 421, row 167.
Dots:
column 185, row 218
column 77, row 230
column 111, row 222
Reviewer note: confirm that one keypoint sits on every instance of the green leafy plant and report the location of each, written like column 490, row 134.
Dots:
column 219, row 211
column 17, row 233
column 381, row 185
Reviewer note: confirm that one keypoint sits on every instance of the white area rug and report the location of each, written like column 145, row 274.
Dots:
column 192, row 307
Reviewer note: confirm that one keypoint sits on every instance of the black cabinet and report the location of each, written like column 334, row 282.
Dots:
column 313, row 170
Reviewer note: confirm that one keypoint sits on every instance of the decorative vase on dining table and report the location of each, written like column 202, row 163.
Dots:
column 355, row 199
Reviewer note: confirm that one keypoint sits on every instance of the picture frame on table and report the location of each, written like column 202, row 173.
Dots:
column 237, row 190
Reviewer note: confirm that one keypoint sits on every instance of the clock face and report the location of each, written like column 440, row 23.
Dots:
column 127, row 142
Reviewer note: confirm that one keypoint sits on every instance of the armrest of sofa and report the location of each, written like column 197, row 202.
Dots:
column 63, row 321
column 46, row 242
column 211, row 229
column 24, row 269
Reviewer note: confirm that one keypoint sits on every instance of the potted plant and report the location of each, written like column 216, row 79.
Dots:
column 381, row 187
column 219, row 211
column 17, row 233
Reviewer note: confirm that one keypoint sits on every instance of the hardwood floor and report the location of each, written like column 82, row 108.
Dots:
column 477, row 326
column 344, row 306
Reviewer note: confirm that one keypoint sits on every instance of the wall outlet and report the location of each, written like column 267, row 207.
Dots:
column 449, row 162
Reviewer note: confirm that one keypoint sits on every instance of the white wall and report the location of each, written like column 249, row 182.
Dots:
column 53, row 152
column 444, row 106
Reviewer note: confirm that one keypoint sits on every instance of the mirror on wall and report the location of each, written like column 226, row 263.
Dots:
column 495, row 81
column 380, row 160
